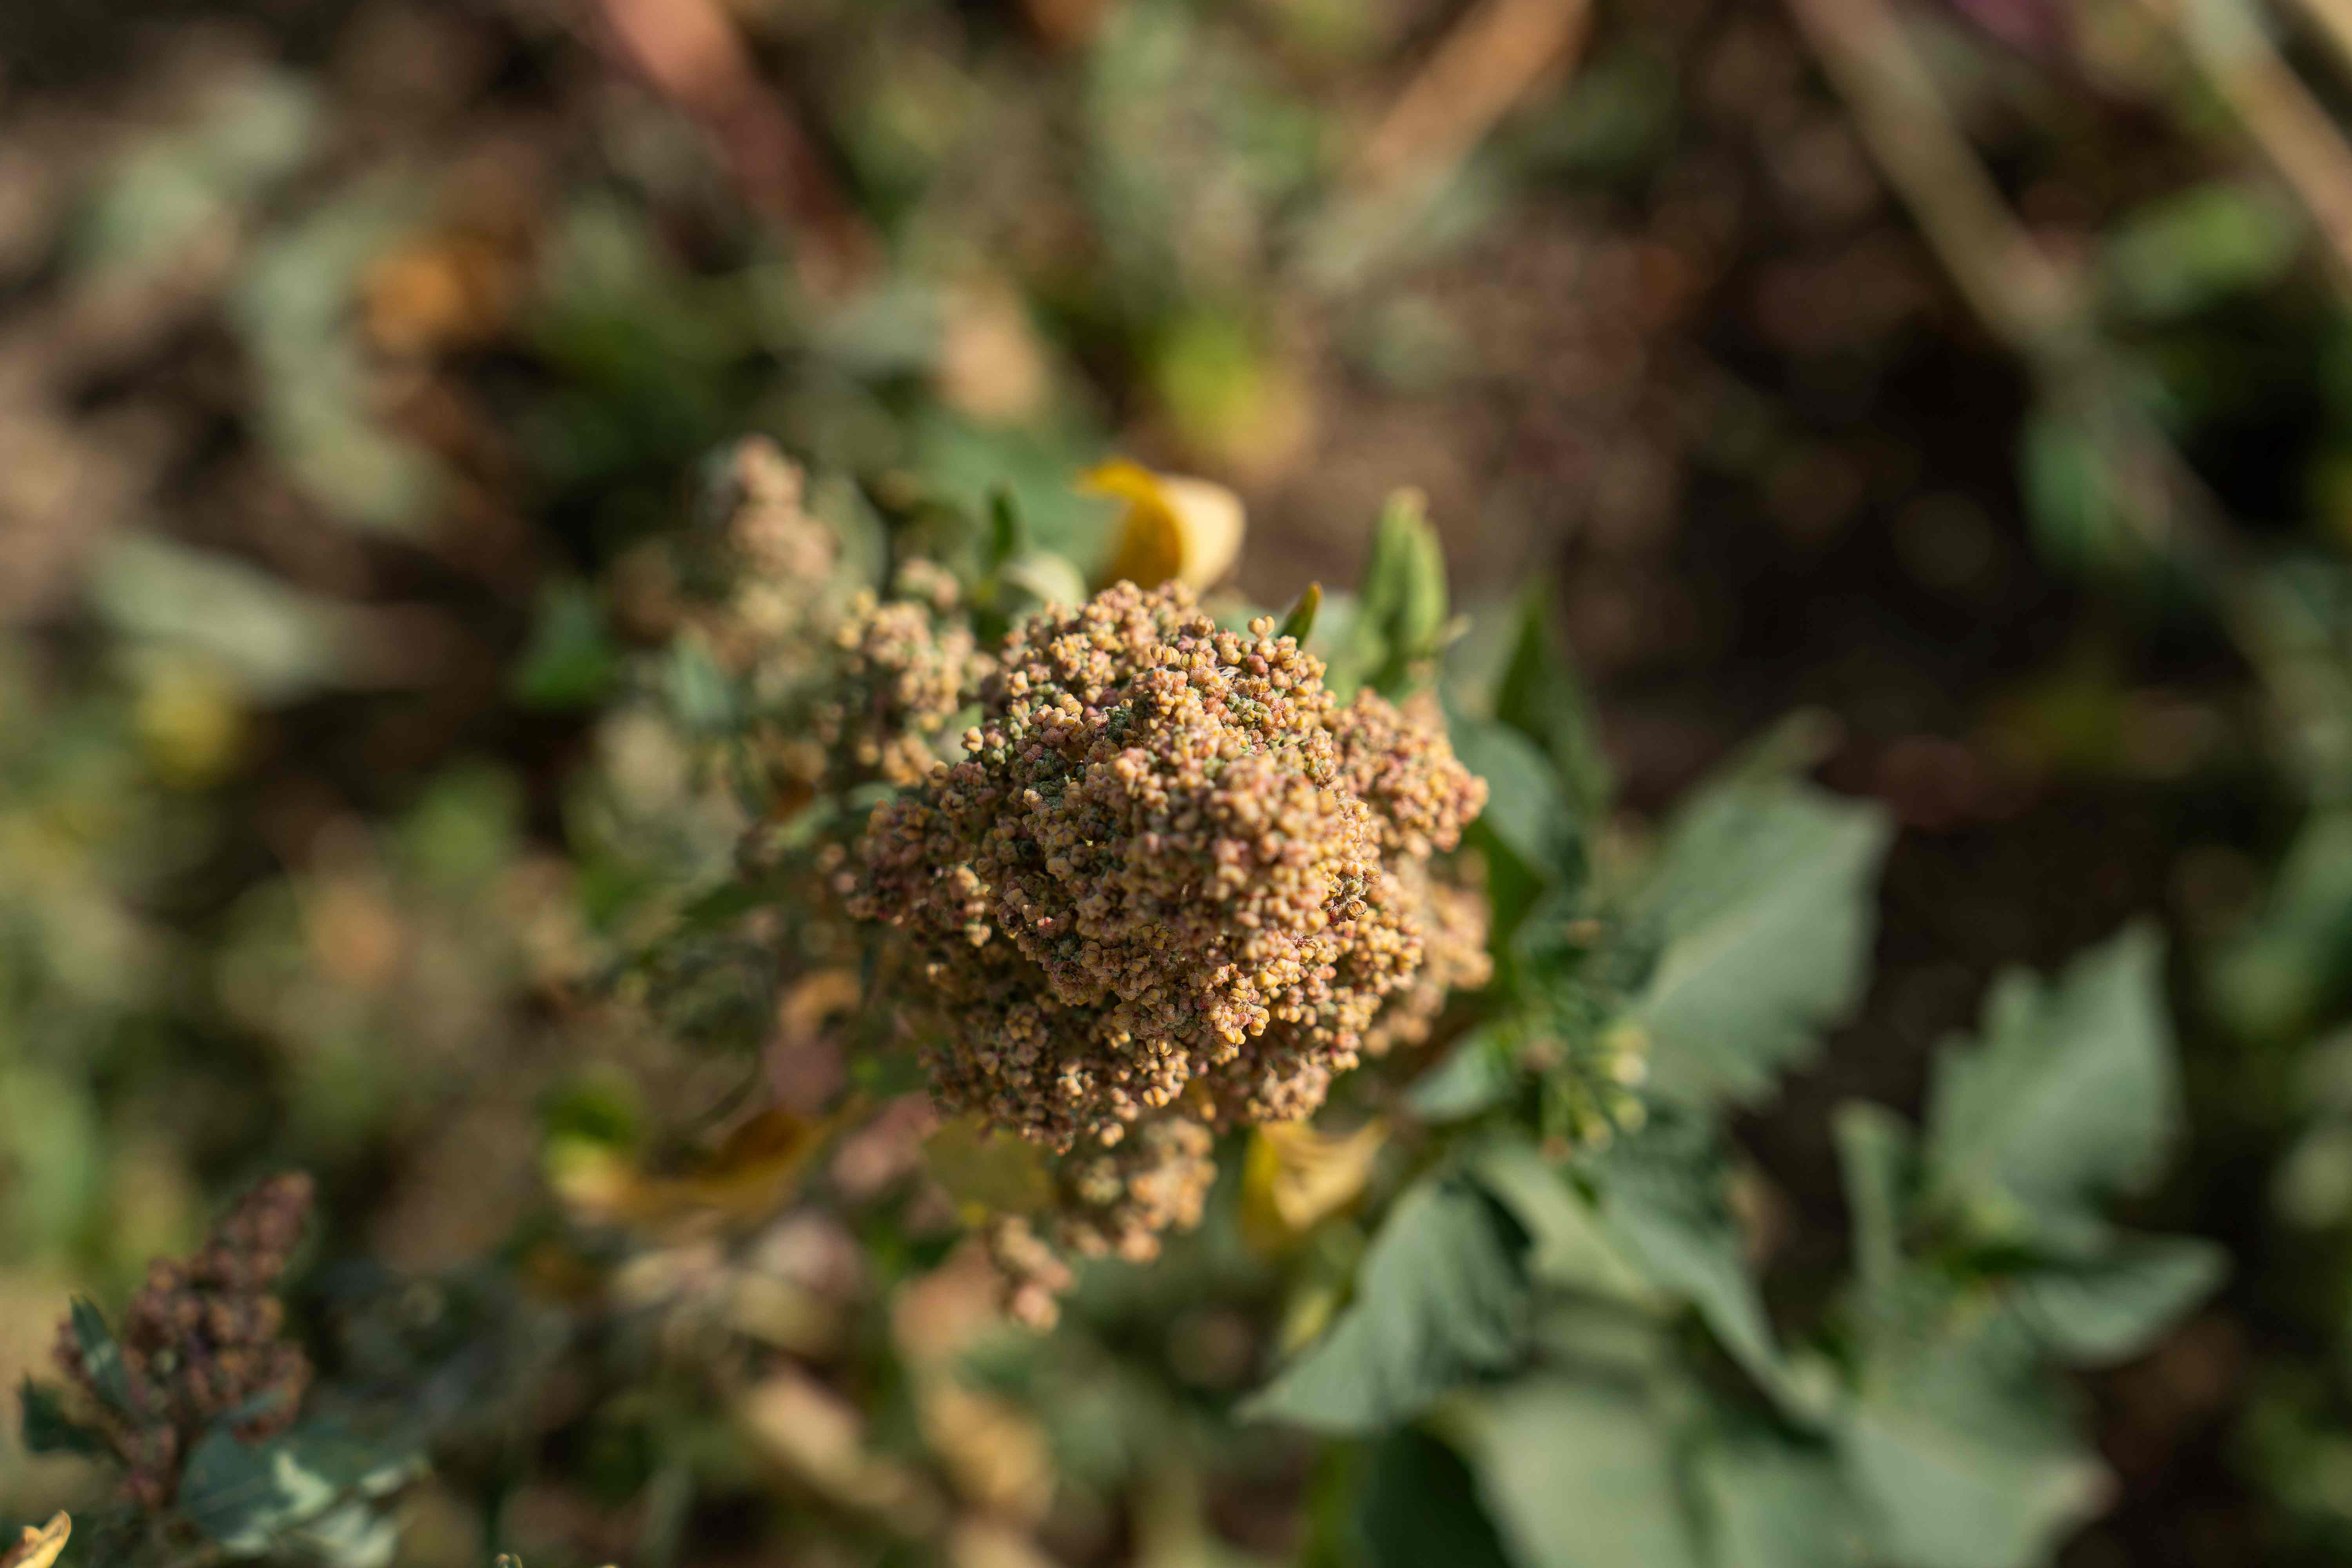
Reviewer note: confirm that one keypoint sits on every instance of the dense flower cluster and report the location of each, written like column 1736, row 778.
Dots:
column 902, row 670
column 1452, row 913
column 1173, row 883
column 201, row 1340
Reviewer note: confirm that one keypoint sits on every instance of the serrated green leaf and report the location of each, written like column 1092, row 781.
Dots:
column 246, row 1497
column 1962, row 1456
column 2071, row 1096
column 1443, row 1298
column 1762, row 905
column 1771, row 1504
column 2115, row 1307
column 1579, row 1473
column 1416, row 1506
column 45, row 1426
column 102, row 1358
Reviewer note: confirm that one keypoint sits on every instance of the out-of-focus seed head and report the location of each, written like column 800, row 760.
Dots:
column 902, row 669
column 764, row 567
column 201, row 1340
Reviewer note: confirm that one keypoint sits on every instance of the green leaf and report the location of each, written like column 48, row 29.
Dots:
column 246, row 1496
column 1965, row 1460
column 1761, row 904
column 1579, row 1473
column 1568, row 1244
column 2115, row 1307
column 1541, row 696
column 1772, row 1504
column 1008, row 531
column 102, row 1358
column 47, row 1428
column 1416, row 1506
column 1662, row 1196
column 1875, row 1157
column 1402, row 604
column 1525, row 808
column 2071, row 1097
column 1476, row 1074
column 1443, row 1298
column 572, row 660
column 1299, row 623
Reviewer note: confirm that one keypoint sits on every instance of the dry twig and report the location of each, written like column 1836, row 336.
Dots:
column 689, row 51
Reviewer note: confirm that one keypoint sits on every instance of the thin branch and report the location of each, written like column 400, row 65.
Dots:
column 1491, row 61
column 2231, row 47
column 2041, row 312
column 689, row 51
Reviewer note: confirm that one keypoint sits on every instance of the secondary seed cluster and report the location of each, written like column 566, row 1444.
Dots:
column 902, row 670
column 1171, row 884
column 200, row 1340
column 769, row 565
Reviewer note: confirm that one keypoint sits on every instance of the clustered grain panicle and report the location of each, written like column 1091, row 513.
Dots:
column 1171, row 884
column 202, row 1340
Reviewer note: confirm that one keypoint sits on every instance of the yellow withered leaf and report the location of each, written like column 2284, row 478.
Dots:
column 1176, row 526
column 751, row 1176
column 987, row 1172
column 1296, row 1177
column 38, row 1548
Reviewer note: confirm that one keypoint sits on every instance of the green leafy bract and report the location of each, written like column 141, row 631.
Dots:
column 102, row 1358
column 1401, row 609
column 1541, row 696
column 1526, row 811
